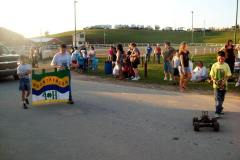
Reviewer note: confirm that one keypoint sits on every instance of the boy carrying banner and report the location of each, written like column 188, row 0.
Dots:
column 62, row 60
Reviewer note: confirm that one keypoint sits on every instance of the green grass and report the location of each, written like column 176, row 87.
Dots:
column 155, row 73
column 142, row 36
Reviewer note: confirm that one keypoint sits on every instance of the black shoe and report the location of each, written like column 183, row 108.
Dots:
column 70, row 102
column 25, row 106
column 26, row 100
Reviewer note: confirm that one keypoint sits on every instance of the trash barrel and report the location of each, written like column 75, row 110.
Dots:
column 108, row 67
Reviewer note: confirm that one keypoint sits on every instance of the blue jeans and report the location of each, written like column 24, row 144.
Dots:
column 148, row 55
column 219, row 99
column 85, row 64
column 158, row 58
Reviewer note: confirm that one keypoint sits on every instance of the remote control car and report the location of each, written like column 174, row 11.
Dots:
column 205, row 121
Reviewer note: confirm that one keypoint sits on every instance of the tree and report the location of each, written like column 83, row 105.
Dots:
column 157, row 27
column 148, row 27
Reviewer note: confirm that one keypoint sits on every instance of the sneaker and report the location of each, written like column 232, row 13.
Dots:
column 165, row 78
column 25, row 106
column 222, row 112
column 217, row 115
column 170, row 79
column 138, row 78
column 26, row 100
column 132, row 77
column 70, row 102
column 135, row 79
column 237, row 84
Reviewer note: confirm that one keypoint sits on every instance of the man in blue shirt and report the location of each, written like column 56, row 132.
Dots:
column 148, row 52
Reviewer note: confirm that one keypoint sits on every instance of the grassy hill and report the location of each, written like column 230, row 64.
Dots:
column 11, row 38
column 143, row 36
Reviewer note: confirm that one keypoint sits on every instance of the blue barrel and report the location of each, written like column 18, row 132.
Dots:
column 108, row 67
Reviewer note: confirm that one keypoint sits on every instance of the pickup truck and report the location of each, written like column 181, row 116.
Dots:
column 8, row 62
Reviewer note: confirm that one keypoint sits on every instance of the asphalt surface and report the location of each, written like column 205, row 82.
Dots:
column 115, row 122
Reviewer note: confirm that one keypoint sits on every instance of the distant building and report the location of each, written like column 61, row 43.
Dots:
column 46, row 41
column 180, row 29
column 198, row 29
column 167, row 29
column 80, row 39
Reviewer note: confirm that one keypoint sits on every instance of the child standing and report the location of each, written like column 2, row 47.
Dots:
column 175, row 64
column 110, row 53
column 157, row 52
column 24, row 71
column 220, row 72
column 92, row 55
column 80, row 62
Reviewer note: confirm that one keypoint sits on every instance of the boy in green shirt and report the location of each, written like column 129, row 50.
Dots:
column 220, row 72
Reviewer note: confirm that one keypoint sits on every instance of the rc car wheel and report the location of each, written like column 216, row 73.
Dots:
column 195, row 119
column 196, row 126
column 216, row 126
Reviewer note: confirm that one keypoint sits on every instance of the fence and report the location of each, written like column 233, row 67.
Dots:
column 101, row 49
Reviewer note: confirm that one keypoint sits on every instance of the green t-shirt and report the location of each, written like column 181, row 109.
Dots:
column 219, row 72
column 168, row 54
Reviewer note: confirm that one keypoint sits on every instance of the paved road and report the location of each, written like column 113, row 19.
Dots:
column 113, row 122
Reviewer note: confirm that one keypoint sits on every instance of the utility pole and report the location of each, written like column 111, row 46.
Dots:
column 192, row 26
column 236, row 25
column 75, row 24
column 204, row 28
column 104, row 35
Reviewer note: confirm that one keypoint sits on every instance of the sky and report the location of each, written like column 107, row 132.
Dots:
column 34, row 17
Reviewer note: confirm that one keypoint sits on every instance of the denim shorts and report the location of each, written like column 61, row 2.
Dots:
column 167, row 67
column 185, row 69
column 24, row 84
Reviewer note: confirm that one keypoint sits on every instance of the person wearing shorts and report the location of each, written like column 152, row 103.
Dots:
column 175, row 65
column 24, row 71
column 167, row 55
column 135, row 61
column 184, row 70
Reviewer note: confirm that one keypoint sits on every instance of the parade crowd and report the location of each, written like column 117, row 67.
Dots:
column 177, row 66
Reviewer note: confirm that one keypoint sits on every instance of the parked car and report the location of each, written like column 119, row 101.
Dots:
column 8, row 62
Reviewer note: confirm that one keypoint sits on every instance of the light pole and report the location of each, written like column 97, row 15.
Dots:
column 204, row 28
column 104, row 36
column 236, row 25
column 75, row 24
column 192, row 26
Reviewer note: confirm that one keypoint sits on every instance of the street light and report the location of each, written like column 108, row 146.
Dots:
column 104, row 35
column 236, row 25
column 204, row 28
column 75, row 24
column 192, row 26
